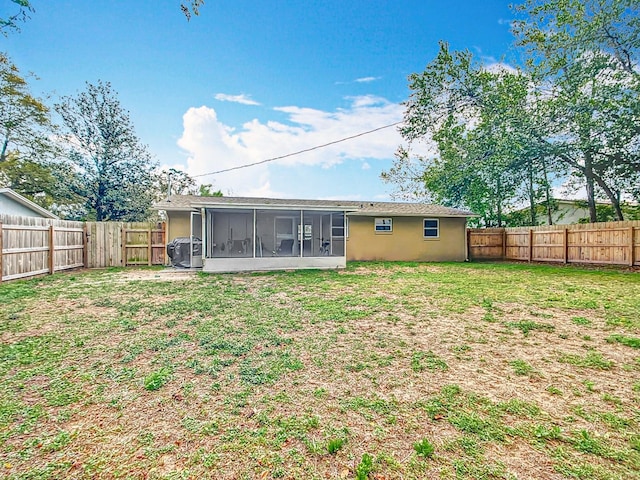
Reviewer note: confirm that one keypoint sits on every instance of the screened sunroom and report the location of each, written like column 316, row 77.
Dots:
column 267, row 238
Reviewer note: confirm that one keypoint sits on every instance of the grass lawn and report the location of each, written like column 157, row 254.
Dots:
column 381, row 371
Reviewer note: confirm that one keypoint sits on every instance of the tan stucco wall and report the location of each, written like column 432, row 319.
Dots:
column 406, row 242
column 178, row 225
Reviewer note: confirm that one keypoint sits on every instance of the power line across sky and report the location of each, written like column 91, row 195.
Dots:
column 299, row 152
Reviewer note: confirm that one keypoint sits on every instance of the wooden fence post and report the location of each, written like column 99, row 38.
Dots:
column 123, row 239
column 530, row 244
column 52, row 251
column 85, row 245
column 1, row 251
column 504, row 244
column 149, row 244
column 632, row 249
column 566, row 244
column 468, row 244
column 165, row 257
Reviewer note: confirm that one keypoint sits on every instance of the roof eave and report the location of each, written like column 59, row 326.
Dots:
column 29, row 204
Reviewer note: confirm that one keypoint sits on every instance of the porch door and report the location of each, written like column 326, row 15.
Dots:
column 195, row 249
column 284, row 235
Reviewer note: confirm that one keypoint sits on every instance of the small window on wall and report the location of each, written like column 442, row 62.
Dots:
column 383, row 225
column 431, row 228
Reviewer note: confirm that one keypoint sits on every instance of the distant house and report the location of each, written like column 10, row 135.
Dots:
column 12, row 203
column 568, row 212
column 246, row 234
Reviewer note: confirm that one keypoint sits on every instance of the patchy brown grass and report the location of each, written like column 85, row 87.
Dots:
column 506, row 370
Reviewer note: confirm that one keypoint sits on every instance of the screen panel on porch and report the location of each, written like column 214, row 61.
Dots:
column 286, row 233
column 277, row 233
column 229, row 233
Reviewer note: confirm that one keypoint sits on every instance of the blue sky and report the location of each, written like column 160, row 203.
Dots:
column 251, row 80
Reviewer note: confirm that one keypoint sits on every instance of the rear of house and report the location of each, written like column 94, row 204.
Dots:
column 407, row 232
column 229, row 234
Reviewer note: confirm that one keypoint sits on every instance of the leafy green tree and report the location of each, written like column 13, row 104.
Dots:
column 23, row 9
column 502, row 137
column 45, row 182
column 206, row 190
column 26, row 151
column 114, row 169
column 586, row 52
column 191, row 8
column 478, row 123
column 21, row 13
column 25, row 124
column 174, row 182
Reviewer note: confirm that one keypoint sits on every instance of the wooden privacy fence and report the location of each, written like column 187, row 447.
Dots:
column 111, row 244
column 33, row 246
column 143, row 246
column 611, row 243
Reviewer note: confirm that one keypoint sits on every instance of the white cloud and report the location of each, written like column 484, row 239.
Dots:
column 212, row 146
column 366, row 166
column 367, row 79
column 242, row 99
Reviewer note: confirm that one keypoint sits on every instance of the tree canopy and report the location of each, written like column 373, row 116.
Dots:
column 25, row 123
column 114, row 170
column 98, row 169
column 20, row 13
column 191, row 8
column 502, row 135
column 23, row 9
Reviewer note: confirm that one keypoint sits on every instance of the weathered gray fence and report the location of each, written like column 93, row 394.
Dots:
column 33, row 246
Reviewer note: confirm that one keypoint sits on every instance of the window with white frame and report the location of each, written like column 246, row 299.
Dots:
column 383, row 225
column 431, row 228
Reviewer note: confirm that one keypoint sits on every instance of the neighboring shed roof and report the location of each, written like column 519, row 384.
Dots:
column 190, row 202
column 25, row 202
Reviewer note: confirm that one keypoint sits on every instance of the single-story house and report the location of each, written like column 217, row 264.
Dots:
column 12, row 203
column 247, row 234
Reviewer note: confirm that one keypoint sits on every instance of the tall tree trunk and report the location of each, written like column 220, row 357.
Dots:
column 5, row 145
column 547, row 192
column 613, row 196
column 532, row 195
column 499, row 202
column 588, row 175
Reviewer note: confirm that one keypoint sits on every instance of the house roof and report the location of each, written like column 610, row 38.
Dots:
column 16, row 197
column 191, row 202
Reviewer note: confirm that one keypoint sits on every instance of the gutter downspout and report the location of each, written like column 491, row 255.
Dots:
column 467, row 234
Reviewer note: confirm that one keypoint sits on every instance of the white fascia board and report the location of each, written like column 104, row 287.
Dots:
column 244, row 206
column 392, row 214
column 28, row 203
